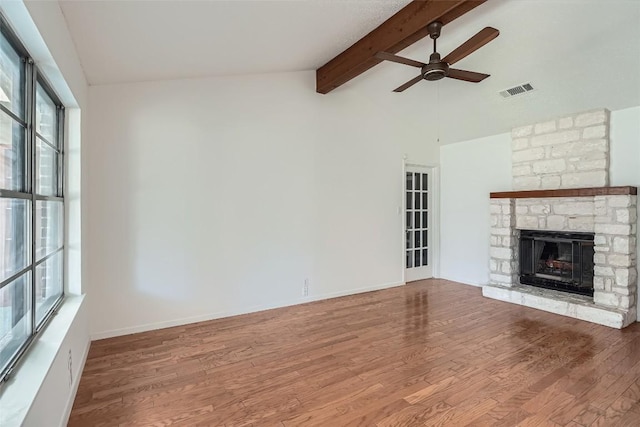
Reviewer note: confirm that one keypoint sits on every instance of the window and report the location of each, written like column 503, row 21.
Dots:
column 31, row 203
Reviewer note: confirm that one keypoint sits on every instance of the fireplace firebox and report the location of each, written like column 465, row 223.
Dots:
column 557, row 260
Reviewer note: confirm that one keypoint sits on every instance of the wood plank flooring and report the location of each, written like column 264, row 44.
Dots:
column 432, row 353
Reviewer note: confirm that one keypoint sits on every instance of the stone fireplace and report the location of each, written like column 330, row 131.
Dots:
column 560, row 174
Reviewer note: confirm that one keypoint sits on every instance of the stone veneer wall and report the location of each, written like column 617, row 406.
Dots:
column 504, row 268
column 569, row 152
column 615, row 276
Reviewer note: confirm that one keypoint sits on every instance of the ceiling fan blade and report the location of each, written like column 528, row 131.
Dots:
column 399, row 59
column 471, row 45
column 408, row 84
column 467, row 76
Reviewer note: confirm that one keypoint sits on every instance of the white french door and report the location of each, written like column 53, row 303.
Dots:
column 418, row 220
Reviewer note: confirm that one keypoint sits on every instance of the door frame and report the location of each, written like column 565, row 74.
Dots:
column 434, row 171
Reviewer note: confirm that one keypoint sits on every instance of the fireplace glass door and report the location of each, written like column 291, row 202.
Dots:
column 557, row 260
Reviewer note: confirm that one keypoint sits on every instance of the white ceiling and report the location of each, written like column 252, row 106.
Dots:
column 130, row 41
column 578, row 54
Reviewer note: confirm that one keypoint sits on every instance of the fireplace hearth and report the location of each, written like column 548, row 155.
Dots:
column 561, row 261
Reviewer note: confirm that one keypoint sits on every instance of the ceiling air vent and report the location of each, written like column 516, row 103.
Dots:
column 516, row 90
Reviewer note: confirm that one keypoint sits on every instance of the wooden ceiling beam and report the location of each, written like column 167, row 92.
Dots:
column 398, row 32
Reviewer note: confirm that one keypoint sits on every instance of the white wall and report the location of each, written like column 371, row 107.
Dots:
column 220, row 196
column 625, row 147
column 471, row 170
column 43, row 386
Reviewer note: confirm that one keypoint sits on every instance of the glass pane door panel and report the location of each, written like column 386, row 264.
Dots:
column 49, row 227
column 46, row 164
column 12, row 154
column 417, row 219
column 48, row 285
column 15, row 317
column 46, row 116
column 11, row 79
column 14, row 236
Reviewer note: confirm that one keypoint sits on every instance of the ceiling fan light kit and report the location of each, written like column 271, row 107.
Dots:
column 438, row 68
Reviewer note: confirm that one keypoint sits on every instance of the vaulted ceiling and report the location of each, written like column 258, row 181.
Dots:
column 578, row 54
column 128, row 41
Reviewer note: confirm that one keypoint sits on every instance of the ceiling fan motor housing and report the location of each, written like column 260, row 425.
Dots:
column 435, row 69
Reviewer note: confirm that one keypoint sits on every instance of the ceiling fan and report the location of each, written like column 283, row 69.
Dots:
column 438, row 68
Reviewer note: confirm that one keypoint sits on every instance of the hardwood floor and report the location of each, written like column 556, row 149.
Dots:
column 431, row 353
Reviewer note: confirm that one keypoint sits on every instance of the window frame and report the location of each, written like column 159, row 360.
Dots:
column 33, row 79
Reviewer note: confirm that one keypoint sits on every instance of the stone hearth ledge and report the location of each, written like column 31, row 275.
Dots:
column 570, row 305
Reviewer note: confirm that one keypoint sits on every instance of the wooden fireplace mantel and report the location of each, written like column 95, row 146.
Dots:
column 567, row 192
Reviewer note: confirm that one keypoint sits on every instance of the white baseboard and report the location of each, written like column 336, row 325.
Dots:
column 463, row 281
column 229, row 313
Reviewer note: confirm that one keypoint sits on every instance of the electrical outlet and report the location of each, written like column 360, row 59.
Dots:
column 70, row 369
column 305, row 288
